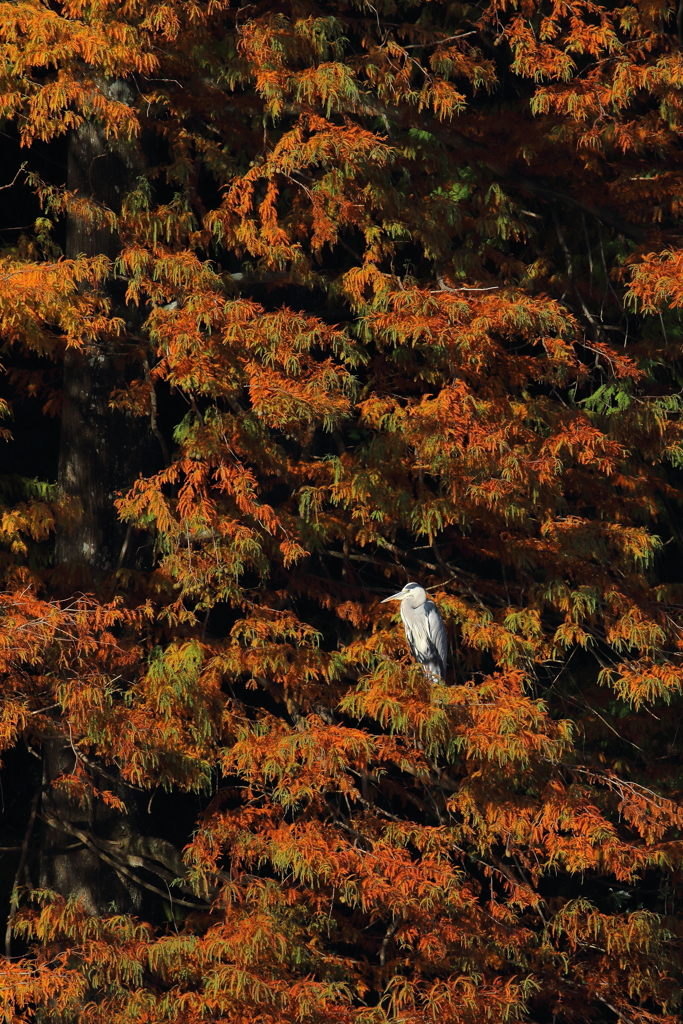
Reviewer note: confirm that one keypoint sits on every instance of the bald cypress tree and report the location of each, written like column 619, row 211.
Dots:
column 328, row 298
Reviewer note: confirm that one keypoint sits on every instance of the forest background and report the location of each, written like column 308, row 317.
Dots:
column 299, row 302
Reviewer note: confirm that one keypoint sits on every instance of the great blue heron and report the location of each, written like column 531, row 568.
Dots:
column 425, row 631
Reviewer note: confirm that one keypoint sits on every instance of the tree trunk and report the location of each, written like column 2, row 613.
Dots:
column 70, row 863
column 100, row 448
column 101, row 451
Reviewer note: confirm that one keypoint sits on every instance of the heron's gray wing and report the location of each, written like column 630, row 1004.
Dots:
column 436, row 632
column 417, row 634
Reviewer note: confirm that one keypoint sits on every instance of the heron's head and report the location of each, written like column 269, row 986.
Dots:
column 412, row 592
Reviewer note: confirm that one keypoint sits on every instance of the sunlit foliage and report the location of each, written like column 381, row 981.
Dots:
column 407, row 277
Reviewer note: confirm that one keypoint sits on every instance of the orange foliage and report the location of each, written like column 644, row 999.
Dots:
column 412, row 272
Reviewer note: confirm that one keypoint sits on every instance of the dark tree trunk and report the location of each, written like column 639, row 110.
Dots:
column 71, row 861
column 101, row 452
column 101, row 449
column 86, row 473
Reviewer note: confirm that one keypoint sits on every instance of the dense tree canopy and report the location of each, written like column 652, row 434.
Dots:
column 298, row 302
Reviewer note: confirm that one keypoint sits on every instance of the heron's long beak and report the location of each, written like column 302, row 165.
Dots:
column 394, row 597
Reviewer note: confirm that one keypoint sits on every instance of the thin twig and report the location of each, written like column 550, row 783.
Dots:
column 124, row 546
column 153, row 414
column 439, row 42
column 12, row 183
column 443, row 287
column 588, row 249
column 570, row 271
column 14, row 905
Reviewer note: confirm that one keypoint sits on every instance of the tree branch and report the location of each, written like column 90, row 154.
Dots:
column 14, row 905
column 117, row 863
